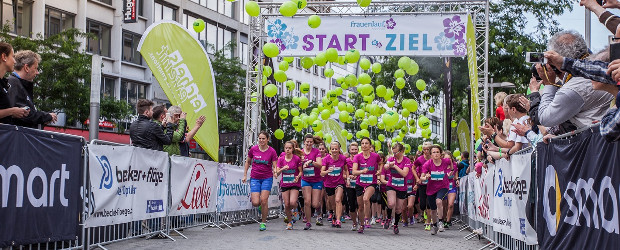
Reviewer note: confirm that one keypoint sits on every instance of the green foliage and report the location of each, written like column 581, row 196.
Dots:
column 230, row 83
column 114, row 110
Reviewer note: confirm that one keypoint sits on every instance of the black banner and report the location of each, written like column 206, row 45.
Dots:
column 40, row 176
column 130, row 11
column 271, row 108
column 578, row 191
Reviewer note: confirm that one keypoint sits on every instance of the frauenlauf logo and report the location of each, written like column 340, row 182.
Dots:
column 107, row 178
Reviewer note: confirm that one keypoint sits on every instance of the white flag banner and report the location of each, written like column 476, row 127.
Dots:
column 409, row 35
column 484, row 188
column 463, row 194
column 471, row 196
column 510, row 195
column 127, row 184
column 193, row 185
column 232, row 194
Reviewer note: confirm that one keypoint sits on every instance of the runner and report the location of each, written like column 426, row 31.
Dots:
column 335, row 172
column 412, row 180
column 350, row 193
column 394, row 174
column 289, row 165
column 366, row 165
column 311, row 182
column 453, row 185
column 426, row 156
column 325, row 206
column 263, row 159
column 434, row 171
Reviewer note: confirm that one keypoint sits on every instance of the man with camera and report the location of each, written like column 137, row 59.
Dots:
column 147, row 133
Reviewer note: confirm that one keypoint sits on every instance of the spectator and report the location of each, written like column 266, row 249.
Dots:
column 608, row 19
column 7, row 111
column 147, row 133
column 184, row 145
column 464, row 164
column 22, row 86
column 575, row 104
column 519, row 115
column 179, row 125
column 499, row 102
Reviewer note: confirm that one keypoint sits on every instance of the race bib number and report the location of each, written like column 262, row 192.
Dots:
column 309, row 172
column 366, row 178
column 352, row 183
column 409, row 189
column 450, row 188
column 288, row 178
column 437, row 175
column 398, row 182
column 336, row 171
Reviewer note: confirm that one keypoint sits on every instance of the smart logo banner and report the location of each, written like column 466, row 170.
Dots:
column 420, row 35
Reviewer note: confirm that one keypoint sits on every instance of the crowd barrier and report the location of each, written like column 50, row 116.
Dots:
column 78, row 195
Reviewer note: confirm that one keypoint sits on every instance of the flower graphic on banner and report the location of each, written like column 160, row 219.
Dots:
column 454, row 27
column 289, row 40
column 279, row 42
column 282, row 35
column 443, row 42
column 460, row 47
column 390, row 24
column 377, row 43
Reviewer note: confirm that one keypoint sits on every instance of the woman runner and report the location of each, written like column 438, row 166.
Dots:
column 412, row 187
column 394, row 174
column 325, row 206
column 311, row 181
column 350, row 194
column 366, row 165
column 289, row 165
column 426, row 156
column 335, row 172
column 263, row 159
column 452, row 188
column 434, row 171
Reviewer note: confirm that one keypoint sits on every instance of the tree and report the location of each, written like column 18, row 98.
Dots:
column 116, row 111
column 230, row 87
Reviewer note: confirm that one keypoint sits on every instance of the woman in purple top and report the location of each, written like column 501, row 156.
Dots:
column 426, row 156
column 350, row 194
column 434, row 171
column 394, row 174
column 263, row 159
column 412, row 187
column 335, row 172
column 448, row 203
column 324, row 152
column 289, row 165
column 311, row 181
column 366, row 166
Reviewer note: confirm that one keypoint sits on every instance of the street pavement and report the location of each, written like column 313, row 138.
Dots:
column 319, row 237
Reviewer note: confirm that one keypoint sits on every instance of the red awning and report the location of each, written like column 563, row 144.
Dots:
column 104, row 136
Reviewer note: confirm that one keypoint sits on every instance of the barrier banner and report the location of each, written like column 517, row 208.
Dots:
column 232, row 194
column 40, row 178
column 441, row 35
column 577, row 196
column 193, row 185
column 463, row 185
column 275, row 195
column 127, row 184
column 484, row 189
column 511, row 197
column 471, row 196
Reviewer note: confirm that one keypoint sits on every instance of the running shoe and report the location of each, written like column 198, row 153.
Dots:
column 366, row 224
column 289, row 226
column 353, row 227
column 308, row 226
column 361, row 229
column 263, row 227
column 347, row 217
column 396, row 231
column 285, row 220
column 338, row 225
column 378, row 219
column 372, row 221
column 440, row 226
column 330, row 216
column 449, row 223
column 446, row 226
column 405, row 224
column 386, row 225
column 305, row 220
column 319, row 221
column 382, row 222
column 427, row 227
column 433, row 230
column 333, row 223
column 342, row 219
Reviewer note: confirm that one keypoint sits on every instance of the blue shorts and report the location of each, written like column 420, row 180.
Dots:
column 258, row 185
column 314, row 185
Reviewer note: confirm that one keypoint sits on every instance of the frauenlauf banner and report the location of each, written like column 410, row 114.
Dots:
column 232, row 194
column 127, row 184
column 181, row 66
column 193, row 185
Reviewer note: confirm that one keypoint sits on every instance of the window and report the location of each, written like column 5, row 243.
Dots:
column 315, row 70
column 243, row 16
column 211, row 38
column 101, row 43
column 130, row 48
column 131, row 92
column 140, row 7
column 243, row 49
column 57, row 21
column 298, row 62
column 322, row 72
column 315, row 93
column 322, row 93
column 107, row 87
column 106, row 1
column 18, row 15
column 435, row 126
column 298, row 89
column 164, row 12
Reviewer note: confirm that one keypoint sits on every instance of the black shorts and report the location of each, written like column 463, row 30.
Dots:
column 399, row 194
column 284, row 189
column 359, row 190
column 431, row 199
column 422, row 197
column 332, row 191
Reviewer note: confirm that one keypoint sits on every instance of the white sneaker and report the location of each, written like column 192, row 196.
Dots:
column 433, row 230
column 440, row 226
column 372, row 221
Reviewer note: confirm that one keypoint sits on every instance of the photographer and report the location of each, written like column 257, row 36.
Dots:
column 569, row 103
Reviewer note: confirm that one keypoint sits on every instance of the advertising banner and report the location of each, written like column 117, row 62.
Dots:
column 463, row 185
column 409, row 35
column 577, row 182
column 232, row 194
column 127, row 184
column 193, row 185
column 471, row 197
column 180, row 64
column 40, row 178
column 510, row 198
column 472, row 64
column 484, row 189
column 275, row 195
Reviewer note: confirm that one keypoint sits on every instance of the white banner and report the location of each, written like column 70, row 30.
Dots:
column 471, row 196
column 410, row 35
column 232, row 194
column 484, row 189
column 463, row 194
column 274, row 196
column 510, row 195
column 127, row 184
column 193, row 185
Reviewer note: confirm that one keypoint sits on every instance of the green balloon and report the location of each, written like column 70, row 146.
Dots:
column 365, row 64
column 350, row 108
column 372, row 120
column 290, row 85
column 288, row 9
column 431, row 110
column 381, row 137
column 381, row 91
column 420, row 84
column 399, row 73
column 376, row 68
column 283, row 66
column 350, row 136
column 325, row 114
column 453, row 124
column 407, row 148
column 303, row 102
column 307, row 62
column 264, row 80
column 304, row 88
column 426, row 133
column 295, row 100
column 320, row 59
column 280, row 76
column 389, row 94
column 360, row 114
column 289, row 59
column 252, row 8
column 400, row 83
column 364, row 125
column 338, row 91
column 341, row 60
column 424, row 122
column 411, row 105
column 352, row 56
column 363, row 3
column 351, row 80
column 271, row 50
column 317, row 126
column 413, row 68
column 279, row 134
column 283, row 113
column 343, row 116
column 456, row 153
column 270, row 90
column 364, row 78
column 329, row 72
column 406, row 113
column 404, row 62
column 344, row 133
column 314, row 21
column 340, row 80
column 267, row 70
column 332, row 55
column 199, row 25
column 390, row 103
column 300, row 3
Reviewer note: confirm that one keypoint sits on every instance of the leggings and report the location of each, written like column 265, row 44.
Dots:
column 422, row 196
column 350, row 200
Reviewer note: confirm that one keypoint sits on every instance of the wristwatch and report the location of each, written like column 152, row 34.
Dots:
column 493, row 135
